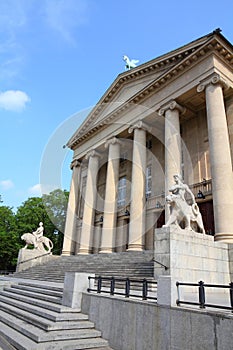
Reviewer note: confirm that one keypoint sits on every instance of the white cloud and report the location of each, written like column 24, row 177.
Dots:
column 13, row 100
column 65, row 16
column 35, row 190
column 6, row 184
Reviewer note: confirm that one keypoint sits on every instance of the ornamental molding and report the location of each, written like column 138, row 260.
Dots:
column 113, row 141
column 213, row 79
column 74, row 164
column 140, row 125
column 181, row 60
column 172, row 105
column 92, row 153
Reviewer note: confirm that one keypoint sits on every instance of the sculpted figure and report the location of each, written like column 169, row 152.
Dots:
column 180, row 210
column 129, row 63
column 39, row 241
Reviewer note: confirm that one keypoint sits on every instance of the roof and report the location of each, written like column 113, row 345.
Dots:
column 136, row 84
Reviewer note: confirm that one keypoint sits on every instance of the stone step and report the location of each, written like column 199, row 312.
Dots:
column 37, row 314
column 56, row 300
column 39, row 290
column 40, row 335
column 42, row 286
column 40, row 303
column 22, row 342
column 42, row 320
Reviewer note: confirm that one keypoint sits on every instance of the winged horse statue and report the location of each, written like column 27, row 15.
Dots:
column 129, row 63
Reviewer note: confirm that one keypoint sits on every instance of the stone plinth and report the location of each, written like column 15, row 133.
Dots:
column 30, row 257
column 191, row 256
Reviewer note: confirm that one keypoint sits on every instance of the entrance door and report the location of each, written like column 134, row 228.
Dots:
column 207, row 212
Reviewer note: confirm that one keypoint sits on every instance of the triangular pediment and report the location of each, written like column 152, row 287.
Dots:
column 133, row 83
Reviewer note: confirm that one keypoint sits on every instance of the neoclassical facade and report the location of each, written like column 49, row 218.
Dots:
column 171, row 115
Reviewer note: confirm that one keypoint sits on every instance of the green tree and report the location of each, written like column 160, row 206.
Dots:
column 51, row 210
column 56, row 206
column 9, row 242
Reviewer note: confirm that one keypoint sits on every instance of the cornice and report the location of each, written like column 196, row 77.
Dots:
column 181, row 62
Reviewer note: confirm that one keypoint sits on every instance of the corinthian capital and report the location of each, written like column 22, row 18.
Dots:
column 214, row 78
column 140, row 125
column 172, row 105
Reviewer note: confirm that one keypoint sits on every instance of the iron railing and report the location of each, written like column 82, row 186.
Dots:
column 202, row 295
column 137, row 288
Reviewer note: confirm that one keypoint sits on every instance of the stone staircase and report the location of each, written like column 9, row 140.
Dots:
column 33, row 318
column 126, row 264
column 31, row 313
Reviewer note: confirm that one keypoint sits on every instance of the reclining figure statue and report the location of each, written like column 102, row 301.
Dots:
column 180, row 210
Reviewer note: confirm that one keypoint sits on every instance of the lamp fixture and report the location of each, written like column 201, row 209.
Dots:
column 200, row 195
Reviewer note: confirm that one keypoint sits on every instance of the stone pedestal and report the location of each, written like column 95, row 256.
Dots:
column 189, row 257
column 74, row 285
column 30, row 257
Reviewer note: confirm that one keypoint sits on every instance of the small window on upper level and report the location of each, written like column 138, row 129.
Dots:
column 121, row 201
column 148, row 181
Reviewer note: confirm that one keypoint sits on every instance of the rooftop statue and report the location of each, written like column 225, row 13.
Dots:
column 129, row 63
column 180, row 210
column 38, row 239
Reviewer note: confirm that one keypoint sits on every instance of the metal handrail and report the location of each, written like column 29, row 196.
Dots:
column 127, row 287
column 201, row 294
column 34, row 258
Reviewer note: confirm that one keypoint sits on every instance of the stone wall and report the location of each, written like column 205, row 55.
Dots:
column 140, row 325
column 231, row 261
column 191, row 256
column 28, row 258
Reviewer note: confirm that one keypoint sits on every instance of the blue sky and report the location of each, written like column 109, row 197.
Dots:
column 57, row 58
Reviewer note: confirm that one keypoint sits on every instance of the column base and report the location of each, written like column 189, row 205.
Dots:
column 135, row 247
column 224, row 237
column 83, row 251
column 106, row 251
column 66, row 253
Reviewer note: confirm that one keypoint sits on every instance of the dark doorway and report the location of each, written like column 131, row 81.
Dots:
column 207, row 212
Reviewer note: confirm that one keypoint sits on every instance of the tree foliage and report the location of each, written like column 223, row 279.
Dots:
column 50, row 209
column 9, row 242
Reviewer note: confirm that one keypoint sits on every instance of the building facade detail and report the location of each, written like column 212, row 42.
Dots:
column 138, row 185
column 220, row 155
column 89, row 202
column 110, row 203
column 172, row 112
column 172, row 117
column 71, row 216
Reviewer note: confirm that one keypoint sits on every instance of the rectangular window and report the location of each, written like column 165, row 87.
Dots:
column 121, row 201
column 148, row 181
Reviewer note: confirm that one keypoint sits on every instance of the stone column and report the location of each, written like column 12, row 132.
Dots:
column 90, row 203
column 220, row 157
column 172, row 143
column 110, row 203
column 71, row 216
column 138, row 199
column 97, row 238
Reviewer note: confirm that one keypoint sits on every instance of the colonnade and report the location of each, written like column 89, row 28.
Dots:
column 221, row 170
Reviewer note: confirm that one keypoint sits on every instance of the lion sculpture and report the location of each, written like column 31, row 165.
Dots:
column 41, row 244
column 180, row 210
